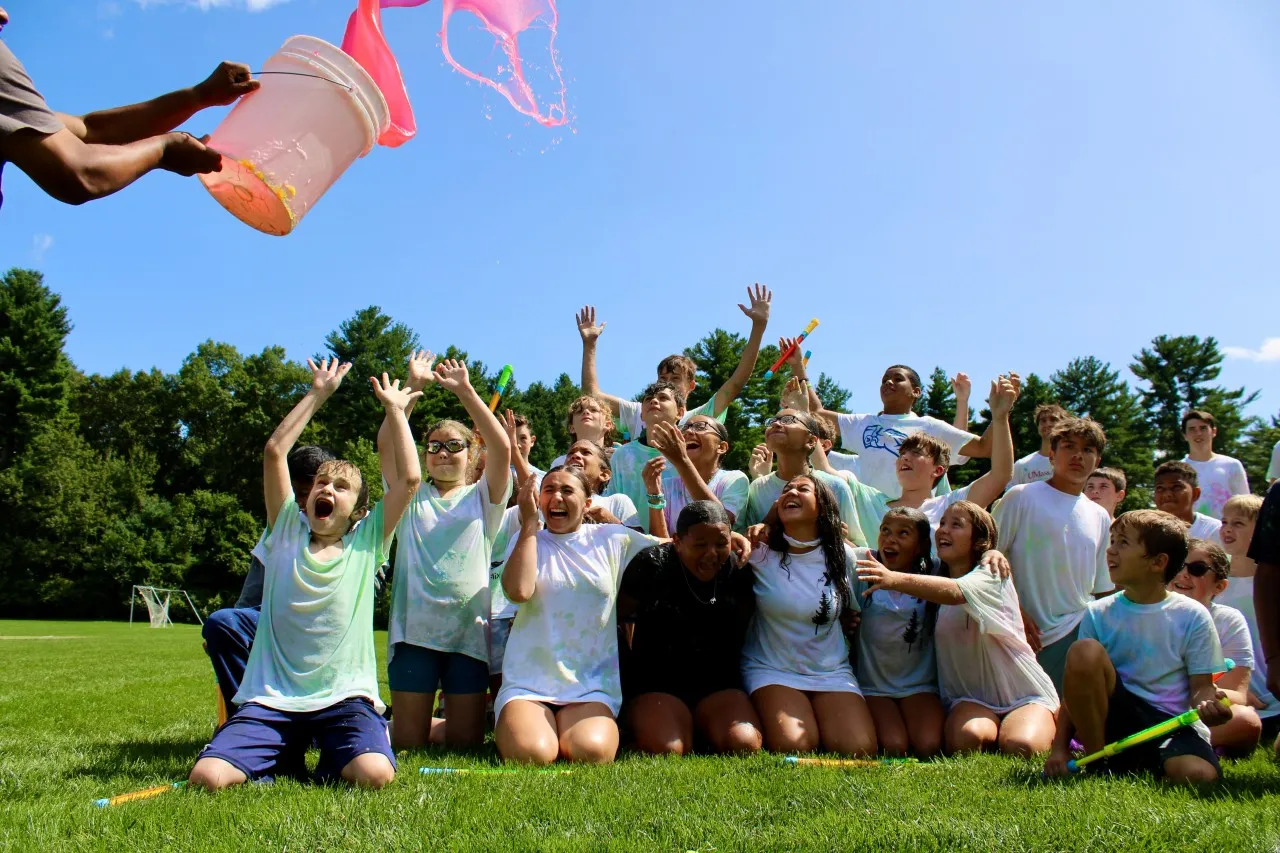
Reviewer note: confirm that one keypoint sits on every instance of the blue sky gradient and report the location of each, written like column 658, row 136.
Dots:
column 982, row 186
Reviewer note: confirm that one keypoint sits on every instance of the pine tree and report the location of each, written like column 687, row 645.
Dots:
column 938, row 399
column 1090, row 388
column 1177, row 371
column 35, row 374
column 1255, row 453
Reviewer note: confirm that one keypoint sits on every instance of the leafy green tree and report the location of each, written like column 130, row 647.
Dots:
column 938, row 399
column 1255, row 453
column 374, row 344
column 1177, row 371
column 129, row 414
column 35, row 374
column 1089, row 387
column 546, row 409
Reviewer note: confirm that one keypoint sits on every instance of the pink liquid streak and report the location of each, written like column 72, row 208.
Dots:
column 505, row 20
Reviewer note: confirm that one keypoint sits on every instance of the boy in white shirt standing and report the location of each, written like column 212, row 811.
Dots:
column 1038, row 466
column 1221, row 477
column 1144, row 655
column 1107, row 488
column 1177, row 490
column 1056, row 542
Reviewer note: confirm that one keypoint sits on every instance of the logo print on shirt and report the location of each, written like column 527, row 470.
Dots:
column 883, row 438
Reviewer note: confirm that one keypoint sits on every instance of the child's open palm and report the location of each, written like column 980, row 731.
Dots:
column 759, row 296
column 420, row 372
column 668, row 440
column 327, row 375
column 391, row 395
column 876, row 575
column 586, row 319
column 452, row 375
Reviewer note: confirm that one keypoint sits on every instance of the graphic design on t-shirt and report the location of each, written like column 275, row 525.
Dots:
column 883, row 437
column 822, row 616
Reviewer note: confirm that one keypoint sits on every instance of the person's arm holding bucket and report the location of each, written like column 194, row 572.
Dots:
column 122, row 125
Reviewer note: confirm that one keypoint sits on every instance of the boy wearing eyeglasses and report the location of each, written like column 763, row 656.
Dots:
column 440, row 596
column 1203, row 578
column 1143, row 655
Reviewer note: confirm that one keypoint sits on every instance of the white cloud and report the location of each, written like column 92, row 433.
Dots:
column 40, row 244
column 206, row 5
column 1269, row 351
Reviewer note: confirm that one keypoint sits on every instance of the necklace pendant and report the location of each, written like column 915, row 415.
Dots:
column 713, row 599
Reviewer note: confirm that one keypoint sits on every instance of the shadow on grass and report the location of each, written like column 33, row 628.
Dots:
column 1242, row 782
column 159, row 758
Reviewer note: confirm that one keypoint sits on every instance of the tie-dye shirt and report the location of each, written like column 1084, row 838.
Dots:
column 1221, row 478
column 563, row 647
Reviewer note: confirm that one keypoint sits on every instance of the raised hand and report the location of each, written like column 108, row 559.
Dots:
column 1003, row 396
column 759, row 296
column 652, row 474
column 508, row 421
column 587, row 327
column 327, row 375
column 668, row 440
column 527, row 500
column 961, row 386
column 452, row 375
column 879, row 576
column 795, row 395
column 795, row 361
column 420, row 369
column 761, row 462
column 391, row 395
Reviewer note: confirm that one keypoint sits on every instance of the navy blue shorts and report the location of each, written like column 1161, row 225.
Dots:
column 263, row 743
column 413, row 669
column 1126, row 715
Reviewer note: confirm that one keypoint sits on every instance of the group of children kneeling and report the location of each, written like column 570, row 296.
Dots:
column 764, row 621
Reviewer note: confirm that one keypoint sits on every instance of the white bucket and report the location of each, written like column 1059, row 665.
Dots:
column 286, row 143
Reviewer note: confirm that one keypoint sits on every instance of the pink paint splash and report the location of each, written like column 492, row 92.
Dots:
column 504, row 20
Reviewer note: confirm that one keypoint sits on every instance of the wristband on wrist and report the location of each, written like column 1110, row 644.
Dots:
column 657, row 501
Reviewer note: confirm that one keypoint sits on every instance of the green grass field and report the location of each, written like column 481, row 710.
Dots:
column 89, row 710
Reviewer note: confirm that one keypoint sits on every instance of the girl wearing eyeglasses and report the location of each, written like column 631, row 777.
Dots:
column 440, row 598
column 792, row 436
column 694, row 449
column 795, row 662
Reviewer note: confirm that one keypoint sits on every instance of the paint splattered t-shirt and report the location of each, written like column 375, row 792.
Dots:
column 731, row 487
column 1239, row 596
column 314, row 645
column 1221, row 478
column 563, row 647
column 895, row 643
column 876, row 438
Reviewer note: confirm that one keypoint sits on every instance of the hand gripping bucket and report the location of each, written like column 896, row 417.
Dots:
column 284, row 145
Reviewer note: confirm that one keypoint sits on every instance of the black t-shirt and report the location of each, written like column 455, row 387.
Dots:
column 1265, row 546
column 688, row 633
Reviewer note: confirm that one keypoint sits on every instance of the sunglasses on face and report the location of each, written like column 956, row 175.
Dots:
column 1197, row 569
column 453, row 445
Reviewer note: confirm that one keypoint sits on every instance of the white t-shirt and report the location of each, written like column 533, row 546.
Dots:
column 763, row 493
column 895, row 643
column 1273, row 470
column 1057, row 546
column 1233, row 634
column 1221, row 478
column 622, row 508
column 563, row 647
column 843, row 462
column 631, row 424
column 440, row 591
column 731, row 487
column 983, row 654
column 875, row 439
column 795, row 638
column 504, row 542
column 1205, row 527
column 314, row 644
column 1031, row 468
column 1239, row 594
column 1155, row 648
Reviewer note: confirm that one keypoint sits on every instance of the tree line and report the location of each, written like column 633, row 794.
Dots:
column 150, row 477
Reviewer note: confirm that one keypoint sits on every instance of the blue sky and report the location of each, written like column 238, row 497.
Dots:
column 983, row 186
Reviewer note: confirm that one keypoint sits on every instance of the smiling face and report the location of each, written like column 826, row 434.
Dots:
column 588, row 420
column 897, row 392
column 954, row 540
column 585, row 456
column 1199, row 435
column 704, row 549
column 1174, row 495
column 1073, row 460
column 798, row 503
column 331, row 504
column 704, row 444
column 787, row 432
column 445, row 466
column 562, row 500
column 1202, row 588
column 1236, row 532
column 899, row 544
